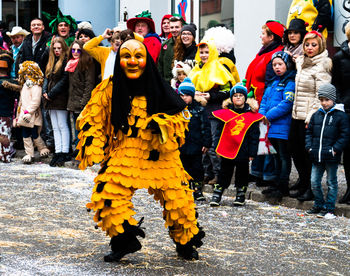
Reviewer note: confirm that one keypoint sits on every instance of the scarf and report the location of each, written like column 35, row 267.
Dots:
column 71, row 65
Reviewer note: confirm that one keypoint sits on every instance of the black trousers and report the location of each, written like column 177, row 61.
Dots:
column 226, row 172
column 346, row 162
column 299, row 154
column 193, row 165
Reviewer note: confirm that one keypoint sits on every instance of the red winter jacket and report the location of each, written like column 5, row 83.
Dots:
column 153, row 45
column 256, row 72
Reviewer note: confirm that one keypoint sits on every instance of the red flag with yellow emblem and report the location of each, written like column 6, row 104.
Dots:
column 234, row 131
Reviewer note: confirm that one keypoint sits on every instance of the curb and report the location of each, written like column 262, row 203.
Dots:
column 253, row 193
column 256, row 195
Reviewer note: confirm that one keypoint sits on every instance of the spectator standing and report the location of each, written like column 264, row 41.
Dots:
column 166, row 55
column 276, row 106
column 213, row 82
column 258, row 75
column 185, row 46
column 143, row 24
column 293, row 38
column 34, row 45
column 326, row 137
column 313, row 70
column 81, row 70
column 237, row 139
column 340, row 79
column 165, row 27
column 7, row 100
column 198, row 137
column 55, row 93
column 17, row 36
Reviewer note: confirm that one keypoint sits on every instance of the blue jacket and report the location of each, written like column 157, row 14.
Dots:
column 327, row 132
column 277, row 103
column 199, row 132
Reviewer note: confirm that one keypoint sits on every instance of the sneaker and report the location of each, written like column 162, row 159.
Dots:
column 327, row 214
column 313, row 211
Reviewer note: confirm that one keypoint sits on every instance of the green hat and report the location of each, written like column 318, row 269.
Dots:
column 55, row 20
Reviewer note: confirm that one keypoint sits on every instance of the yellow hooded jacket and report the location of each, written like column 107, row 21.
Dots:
column 212, row 73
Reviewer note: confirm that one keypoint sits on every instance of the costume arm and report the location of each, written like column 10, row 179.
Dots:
column 93, row 49
column 285, row 106
column 95, row 126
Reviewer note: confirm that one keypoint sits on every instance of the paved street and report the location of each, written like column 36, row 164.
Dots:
column 45, row 230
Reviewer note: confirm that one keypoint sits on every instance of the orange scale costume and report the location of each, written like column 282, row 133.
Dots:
column 133, row 125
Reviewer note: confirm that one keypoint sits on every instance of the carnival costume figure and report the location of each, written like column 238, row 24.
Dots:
column 134, row 124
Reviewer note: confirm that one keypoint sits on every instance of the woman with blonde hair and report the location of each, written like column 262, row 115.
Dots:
column 55, row 93
column 313, row 70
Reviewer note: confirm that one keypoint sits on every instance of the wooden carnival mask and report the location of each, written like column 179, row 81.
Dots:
column 133, row 57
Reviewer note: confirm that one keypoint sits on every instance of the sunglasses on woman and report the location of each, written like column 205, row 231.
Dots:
column 78, row 51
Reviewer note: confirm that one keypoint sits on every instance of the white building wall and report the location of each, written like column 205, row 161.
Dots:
column 101, row 14
column 249, row 16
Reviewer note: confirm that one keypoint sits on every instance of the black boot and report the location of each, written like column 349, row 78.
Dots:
column 346, row 197
column 54, row 159
column 217, row 194
column 188, row 251
column 240, row 196
column 125, row 243
column 197, row 194
column 307, row 196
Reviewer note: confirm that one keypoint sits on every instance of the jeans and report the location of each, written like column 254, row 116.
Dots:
column 332, row 182
column 60, row 130
column 263, row 167
column 211, row 162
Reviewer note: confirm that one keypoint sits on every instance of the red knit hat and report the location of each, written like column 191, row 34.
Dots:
column 276, row 27
column 145, row 16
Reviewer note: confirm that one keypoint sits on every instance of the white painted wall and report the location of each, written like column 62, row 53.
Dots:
column 100, row 15
column 249, row 16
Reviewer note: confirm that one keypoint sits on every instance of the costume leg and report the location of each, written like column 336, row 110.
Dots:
column 114, row 211
column 180, row 216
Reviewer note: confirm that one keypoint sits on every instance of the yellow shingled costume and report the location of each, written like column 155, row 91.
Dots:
column 126, row 168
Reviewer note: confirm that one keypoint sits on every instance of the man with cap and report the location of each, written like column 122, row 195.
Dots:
column 167, row 52
column 17, row 35
column 143, row 24
column 198, row 137
column 326, row 137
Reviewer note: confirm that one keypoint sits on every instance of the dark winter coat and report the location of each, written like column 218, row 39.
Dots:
column 341, row 75
column 81, row 83
column 327, row 132
column 27, row 49
column 190, row 54
column 249, row 147
column 165, row 59
column 7, row 99
column 56, row 87
column 199, row 133
column 277, row 104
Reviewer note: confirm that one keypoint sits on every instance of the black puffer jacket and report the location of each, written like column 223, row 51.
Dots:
column 249, row 147
column 56, row 87
column 199, row 133
column 341, row 75
column 27, row 49
column 327, row 132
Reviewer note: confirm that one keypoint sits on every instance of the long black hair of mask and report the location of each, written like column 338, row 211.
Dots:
column 160, row 96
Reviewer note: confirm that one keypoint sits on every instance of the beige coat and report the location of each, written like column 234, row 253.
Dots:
column 30, row 100
column 311, row 74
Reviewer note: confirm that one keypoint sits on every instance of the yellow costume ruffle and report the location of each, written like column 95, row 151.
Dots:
column 126, row 166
